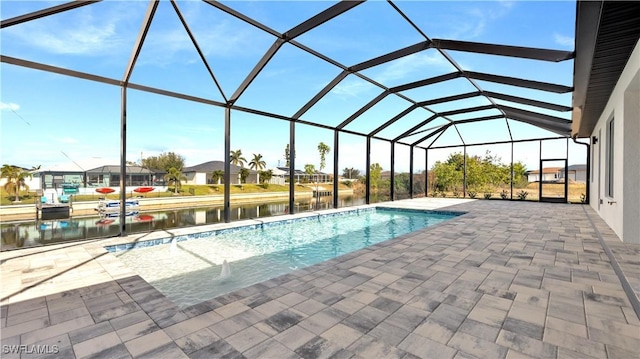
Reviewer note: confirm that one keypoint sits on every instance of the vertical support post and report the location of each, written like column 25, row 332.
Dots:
column 588, row 174
column 292, row 166
column 464, row 172
column 123, row 159
column 392, row 190
column 566, row 174
column 367, row 192
column 512, row 171
column 335, row 168
column 540, row 174
column 227, row 164
column 411, row 172
column 426, row 173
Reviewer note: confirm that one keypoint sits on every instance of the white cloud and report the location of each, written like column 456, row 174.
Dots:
column 408, row 65
column 352, row 88
column 67, row 140
column 473, row 21
column 79, row 32
column 9, row 106
column 562, row 40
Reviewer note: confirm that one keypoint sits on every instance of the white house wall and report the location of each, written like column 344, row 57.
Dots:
column 622, row 211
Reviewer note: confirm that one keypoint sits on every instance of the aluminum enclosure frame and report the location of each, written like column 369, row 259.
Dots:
column 551, row 123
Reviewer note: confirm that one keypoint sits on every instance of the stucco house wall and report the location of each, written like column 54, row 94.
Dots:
column 621, row 210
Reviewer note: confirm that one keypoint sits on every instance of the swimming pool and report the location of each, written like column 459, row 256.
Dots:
column 188, row 271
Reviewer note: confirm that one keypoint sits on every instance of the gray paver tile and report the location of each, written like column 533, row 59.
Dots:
column 424, row 348
column 526, row 345
column 217, row 349
column 193, row 324
column 246, row 339
column 477, row 329
column 521, row 327
column 321, row 321
column 38, row 335
column 137, row 330
column 369, row 347
column 283, row 320
column 573, row 342
column 341, row 335
column 96, row 345
column 170, row 350
column 476, row 346
column 270, row 348
column 294, row 337
column 318, row 347
column 388, row 333
column 147, row 343
column 86, row 333
column 197, row 340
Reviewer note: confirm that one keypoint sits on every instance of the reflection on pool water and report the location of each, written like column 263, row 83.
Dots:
column 189, row 274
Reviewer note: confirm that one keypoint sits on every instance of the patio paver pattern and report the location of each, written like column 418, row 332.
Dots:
column 505, row 280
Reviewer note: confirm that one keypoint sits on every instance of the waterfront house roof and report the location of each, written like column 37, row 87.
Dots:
column 575, row 168
column 213, row 166
column 546, row 170
column 116, row 169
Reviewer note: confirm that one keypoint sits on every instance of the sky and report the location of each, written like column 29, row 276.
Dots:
column 48, row 119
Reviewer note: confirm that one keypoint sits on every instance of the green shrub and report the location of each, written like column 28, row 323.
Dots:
column 522, row 195
column 487, row 195
column 472, row 194
column 504, row 194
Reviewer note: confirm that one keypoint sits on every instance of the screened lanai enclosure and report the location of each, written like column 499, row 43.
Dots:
column 418, row 98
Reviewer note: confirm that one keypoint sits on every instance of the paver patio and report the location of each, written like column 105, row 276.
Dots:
column 506, row 280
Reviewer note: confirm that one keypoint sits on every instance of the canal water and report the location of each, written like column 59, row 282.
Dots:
column 25, row 234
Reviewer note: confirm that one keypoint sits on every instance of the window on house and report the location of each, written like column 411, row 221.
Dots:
column 609, row 158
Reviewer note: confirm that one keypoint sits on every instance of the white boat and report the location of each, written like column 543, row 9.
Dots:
column 117, row 214
column 113, row 206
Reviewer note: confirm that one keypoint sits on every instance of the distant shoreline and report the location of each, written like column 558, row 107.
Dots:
column 87, row 208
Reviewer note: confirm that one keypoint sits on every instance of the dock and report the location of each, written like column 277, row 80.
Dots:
column 47, row 211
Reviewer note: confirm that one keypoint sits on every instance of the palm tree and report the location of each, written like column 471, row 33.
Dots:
column 257, row 163
column 16, row 179
column 236, row 158
column 265, row 176
column 175, row 177
column 217, row 175
column 244, row 173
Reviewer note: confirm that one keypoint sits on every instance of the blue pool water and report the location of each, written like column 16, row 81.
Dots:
column 189, row 272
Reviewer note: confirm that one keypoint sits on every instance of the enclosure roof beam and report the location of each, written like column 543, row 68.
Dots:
column 504, row 50
column 256, row 69
column 393, row 119
column 450, row 98
column 142, row 34
column 527, row 101
column 195, row 44
column 362, row 110
column 412, row 49
column 321, row 94
column 426, row 82
column 513, row 81
column 321, row 18
column 518, row 111
column 45, row 12
column 409, row 132
column 478, row 119
column 438, row 131
column 466, row 110
column 243, row 17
